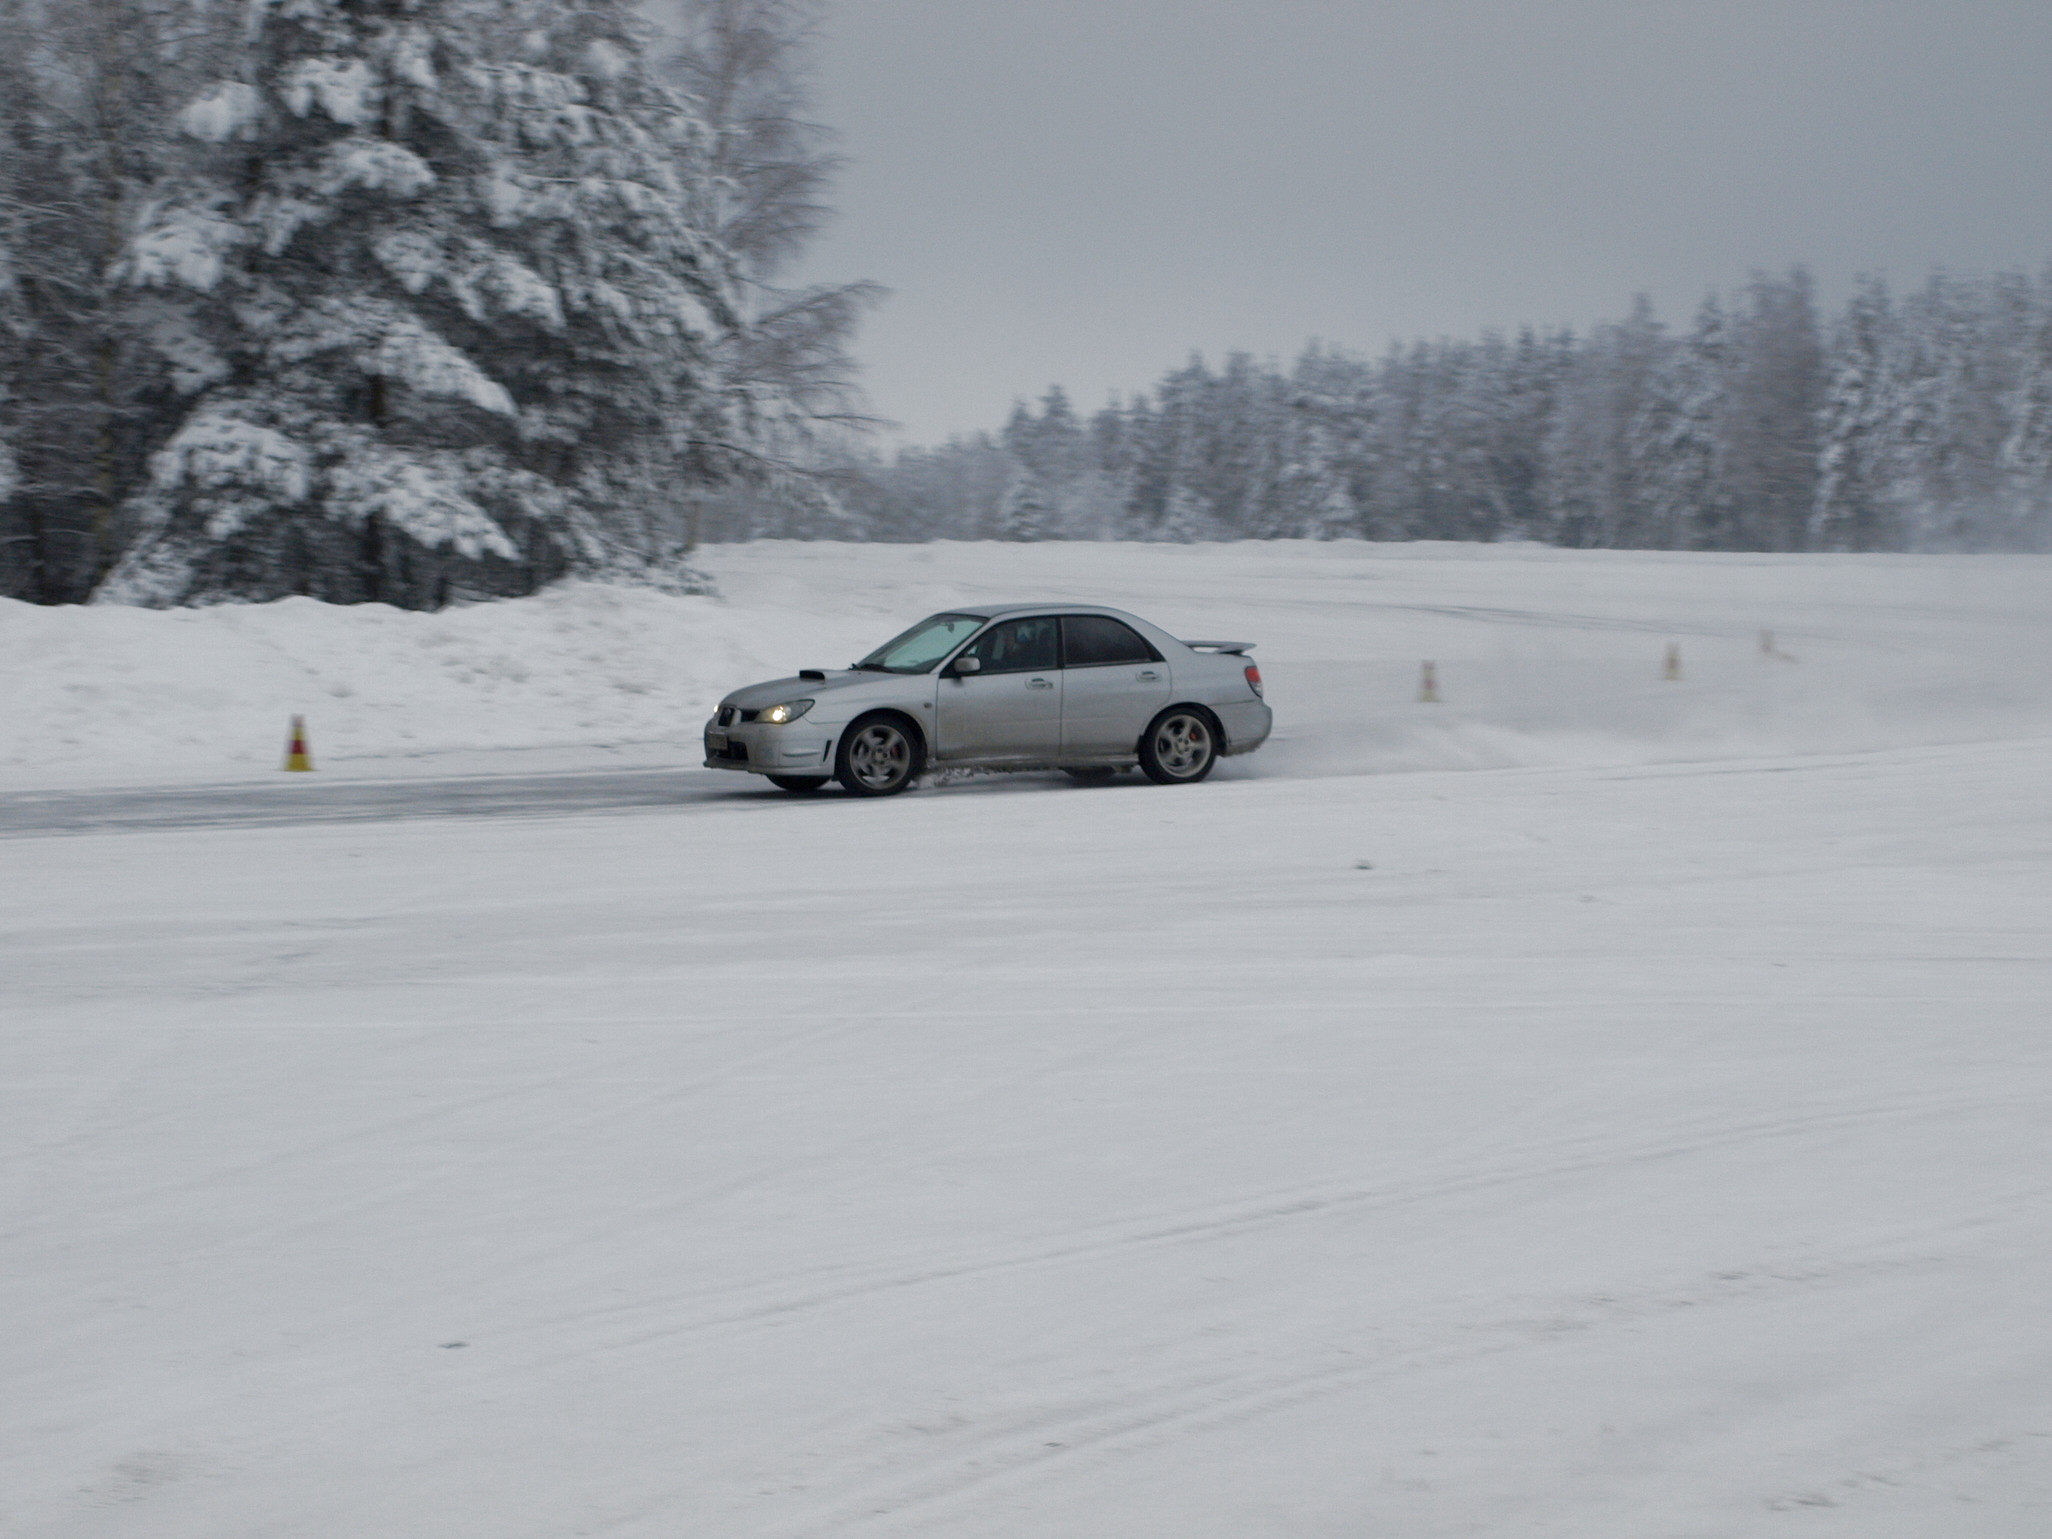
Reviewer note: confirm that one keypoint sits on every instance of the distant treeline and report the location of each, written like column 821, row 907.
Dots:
column 1918, row 423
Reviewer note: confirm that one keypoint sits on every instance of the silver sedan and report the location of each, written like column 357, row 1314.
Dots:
column 1019, row 686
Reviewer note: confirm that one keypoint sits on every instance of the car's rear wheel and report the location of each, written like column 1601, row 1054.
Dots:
column 798, row 783
column 1180, row 746
column 879, row 756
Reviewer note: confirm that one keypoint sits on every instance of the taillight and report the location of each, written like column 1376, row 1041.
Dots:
column 1254, row 679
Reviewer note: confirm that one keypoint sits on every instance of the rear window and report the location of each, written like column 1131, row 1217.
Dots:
column 1090, row 641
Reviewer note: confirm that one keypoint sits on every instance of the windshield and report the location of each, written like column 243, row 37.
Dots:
column 922, row 646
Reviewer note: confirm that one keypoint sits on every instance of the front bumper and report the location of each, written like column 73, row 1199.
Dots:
column 765, row 750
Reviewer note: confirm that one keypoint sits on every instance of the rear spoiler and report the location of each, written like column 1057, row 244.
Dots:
column 1235, row 648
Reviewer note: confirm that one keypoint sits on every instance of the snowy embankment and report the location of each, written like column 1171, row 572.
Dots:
column 1545, row 657
column 1649, row 1137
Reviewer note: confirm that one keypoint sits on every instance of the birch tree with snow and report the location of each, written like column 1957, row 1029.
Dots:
column 762, row 195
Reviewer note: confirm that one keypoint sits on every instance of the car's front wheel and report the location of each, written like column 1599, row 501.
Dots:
column 1180, row 747
column 798, row 783
column 879, row 756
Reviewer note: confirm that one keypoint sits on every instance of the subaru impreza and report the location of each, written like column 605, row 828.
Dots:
column 1072, row 687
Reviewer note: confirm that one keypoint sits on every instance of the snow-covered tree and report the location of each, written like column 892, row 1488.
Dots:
column 1026, row 513
column 1599, row 457
column 1961, row 377
column 86, row 94
column 1335, row 400
column 1146, row 453
column 1075, row 484
column 2026, row 454
column 1776, row 381
column 1408, row 481
column 1313, row 500
column 446, row 319
column 10, row 460
column 953, row 492
column 1186, row 519
column 1490, row 458
column 14, row 332
column 1851, row 511
column 1681, row 429
column 1239, row 428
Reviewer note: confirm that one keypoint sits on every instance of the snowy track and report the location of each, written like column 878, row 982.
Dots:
column 567, row 793
column 1655, row 1144
column 518, row 796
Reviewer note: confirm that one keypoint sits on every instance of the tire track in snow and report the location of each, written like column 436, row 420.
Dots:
column 1543, row 620
column 1524, row 1165
column 381, row 1134
column 1020, row 1449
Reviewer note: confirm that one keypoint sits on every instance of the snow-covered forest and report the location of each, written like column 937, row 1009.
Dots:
column 400, row 300
column 420, row 300
column 1922, row 423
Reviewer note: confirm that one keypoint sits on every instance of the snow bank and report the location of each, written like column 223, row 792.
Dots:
column 1544, row 657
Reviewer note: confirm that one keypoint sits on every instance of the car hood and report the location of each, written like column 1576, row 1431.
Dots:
column 753, row 697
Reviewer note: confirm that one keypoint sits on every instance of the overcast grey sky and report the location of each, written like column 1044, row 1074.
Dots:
column 1085, row 191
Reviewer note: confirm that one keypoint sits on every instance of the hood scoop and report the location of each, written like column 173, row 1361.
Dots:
column 812, row 673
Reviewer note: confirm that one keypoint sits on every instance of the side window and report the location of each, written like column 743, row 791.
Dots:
column 1089, row 641
column 1015, row 646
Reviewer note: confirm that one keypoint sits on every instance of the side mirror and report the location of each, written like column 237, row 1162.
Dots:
column 967, row 665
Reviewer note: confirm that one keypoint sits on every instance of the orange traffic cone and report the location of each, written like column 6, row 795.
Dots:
column 1428, row 685
column 1672, row 672
column 296, row 756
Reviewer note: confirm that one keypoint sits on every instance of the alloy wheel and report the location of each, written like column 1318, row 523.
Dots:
column 880, row 757
column 1182, row 745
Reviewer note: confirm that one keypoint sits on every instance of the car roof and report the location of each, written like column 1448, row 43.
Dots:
column 992, row 611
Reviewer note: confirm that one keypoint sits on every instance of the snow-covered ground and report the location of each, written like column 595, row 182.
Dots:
column 1595, row 1105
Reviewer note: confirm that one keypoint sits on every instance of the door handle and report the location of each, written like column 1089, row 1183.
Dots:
column 1149, row 674
column 1040, row 683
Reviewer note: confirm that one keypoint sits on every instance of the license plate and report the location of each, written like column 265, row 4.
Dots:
column 716, row 741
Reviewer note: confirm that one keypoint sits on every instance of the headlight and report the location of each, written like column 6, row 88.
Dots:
column 790, row 710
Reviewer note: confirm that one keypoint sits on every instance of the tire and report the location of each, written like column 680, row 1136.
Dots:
column 798, row 783
column 1180, row 747
column 1091, row 775
column 879, row 755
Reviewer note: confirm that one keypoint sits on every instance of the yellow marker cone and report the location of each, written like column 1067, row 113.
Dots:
column 296, row 756
column 1428, row 685
column 1672, row 672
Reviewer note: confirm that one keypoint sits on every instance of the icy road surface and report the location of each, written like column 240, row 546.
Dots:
column 1648, row 1133
column 316, row 801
